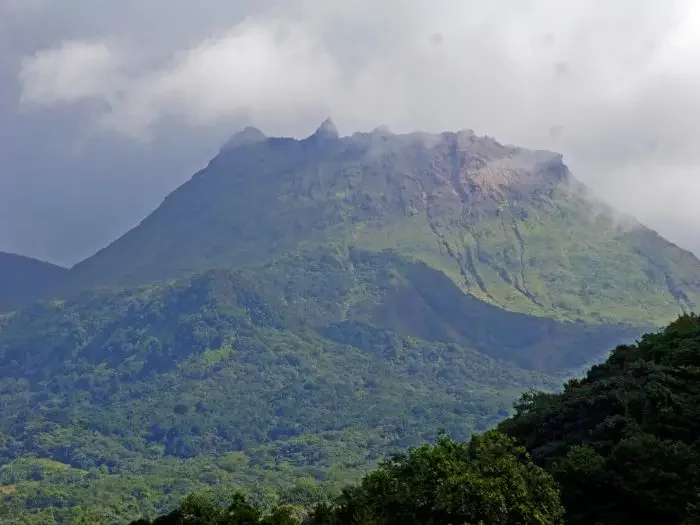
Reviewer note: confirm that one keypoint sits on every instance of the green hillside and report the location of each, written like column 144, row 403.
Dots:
column 324, row 363
column 507, row 225
column 619, row 446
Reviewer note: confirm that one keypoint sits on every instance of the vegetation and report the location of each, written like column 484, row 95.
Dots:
column 488, row 480
column 621, row 446
column 291, row 417
column 238, row 378
column 624, row 442
column 198, row 510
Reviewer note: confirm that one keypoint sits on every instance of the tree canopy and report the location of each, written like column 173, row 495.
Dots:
column 620, row 446
column 488, row 480
column 624, row 441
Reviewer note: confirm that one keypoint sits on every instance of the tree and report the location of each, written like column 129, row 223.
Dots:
column 488, row 480
column 623, row 442
column 197, row 509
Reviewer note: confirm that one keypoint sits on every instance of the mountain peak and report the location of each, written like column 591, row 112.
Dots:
column 247, row 135
column 327, row 130
column 499, row 218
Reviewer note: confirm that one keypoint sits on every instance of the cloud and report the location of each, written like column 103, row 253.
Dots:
column 508, row 68
column 267, row 71
column 612, row 85
column 71, row 72
column 272, row 71
column 14, row 7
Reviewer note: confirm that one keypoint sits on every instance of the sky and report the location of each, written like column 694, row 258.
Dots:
column 106, row 107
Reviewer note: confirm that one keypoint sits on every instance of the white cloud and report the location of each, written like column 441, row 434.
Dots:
column 504, row 67
column 71, row 72
column 612, row 85
column 269, row 70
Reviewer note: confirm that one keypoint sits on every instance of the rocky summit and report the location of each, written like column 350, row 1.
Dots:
column 508, row 225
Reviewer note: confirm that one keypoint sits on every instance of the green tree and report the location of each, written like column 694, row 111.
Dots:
column 197, row 509
column 623, row 442
column 488, row 480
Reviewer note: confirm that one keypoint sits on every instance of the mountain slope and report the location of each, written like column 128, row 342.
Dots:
column 619, row 446
column 507, row 225
column 307, row 364
column 262, row 376
column 23, row 279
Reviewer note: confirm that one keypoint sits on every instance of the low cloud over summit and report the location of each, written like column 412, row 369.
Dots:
column 611, row 86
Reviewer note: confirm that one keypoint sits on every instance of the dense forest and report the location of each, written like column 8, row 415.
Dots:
column 624, row 441
column 307, row 370
column 489, row 479
column 620, row 446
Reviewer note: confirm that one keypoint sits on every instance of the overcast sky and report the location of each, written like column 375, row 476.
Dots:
column 107, row 106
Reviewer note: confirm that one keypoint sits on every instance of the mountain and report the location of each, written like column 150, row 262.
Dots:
column 301, row 308
column 618, row 446
column 23, row 278
column 508, row 225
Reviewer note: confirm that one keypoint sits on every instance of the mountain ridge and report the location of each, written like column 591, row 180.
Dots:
column 22, row 277
column 509, row 225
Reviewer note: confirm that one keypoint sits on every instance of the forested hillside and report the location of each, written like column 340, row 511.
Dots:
column 309, row 368
column 624, row 441
column 620, row 446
